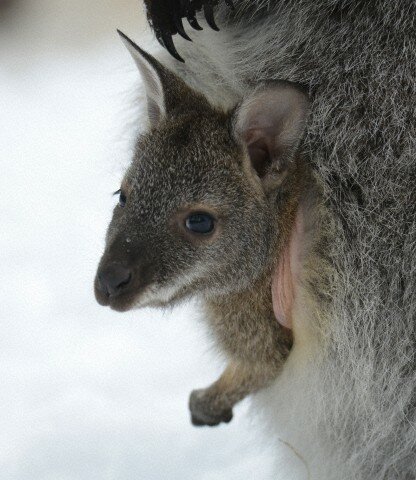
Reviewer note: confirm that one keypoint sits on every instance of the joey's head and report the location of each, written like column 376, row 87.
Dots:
column 197, row 206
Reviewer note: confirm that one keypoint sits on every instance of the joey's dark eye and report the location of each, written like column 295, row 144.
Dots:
column 122, row 198
column 200, row 223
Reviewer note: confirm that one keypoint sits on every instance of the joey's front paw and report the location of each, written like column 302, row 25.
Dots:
column 206, row 409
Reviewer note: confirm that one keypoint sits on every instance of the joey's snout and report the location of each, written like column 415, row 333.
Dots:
column 121, row 280
column 113, row 285
column 112, row 279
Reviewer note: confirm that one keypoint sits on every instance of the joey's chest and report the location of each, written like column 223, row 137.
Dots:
column 244, row 328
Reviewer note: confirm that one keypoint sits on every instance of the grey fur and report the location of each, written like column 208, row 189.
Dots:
column 358, row 59
column 347, row 401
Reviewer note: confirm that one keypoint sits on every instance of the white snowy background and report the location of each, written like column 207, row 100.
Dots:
column 87, row 393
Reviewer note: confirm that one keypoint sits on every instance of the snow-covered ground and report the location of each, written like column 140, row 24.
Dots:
column 88, row 393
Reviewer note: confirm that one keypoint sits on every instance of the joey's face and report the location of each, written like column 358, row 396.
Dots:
column 194, row 212
column 189, row 219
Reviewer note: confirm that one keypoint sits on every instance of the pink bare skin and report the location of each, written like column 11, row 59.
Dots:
column 286, row 275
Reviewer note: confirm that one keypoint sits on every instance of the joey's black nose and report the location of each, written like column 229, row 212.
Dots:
column 113, row 279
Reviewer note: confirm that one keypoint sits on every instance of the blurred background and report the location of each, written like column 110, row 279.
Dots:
column 88, row 393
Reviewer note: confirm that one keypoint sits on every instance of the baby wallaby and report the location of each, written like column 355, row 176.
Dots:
column 209, row 207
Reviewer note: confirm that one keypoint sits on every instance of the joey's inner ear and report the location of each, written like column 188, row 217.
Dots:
column 270, row 123
column 165, row 91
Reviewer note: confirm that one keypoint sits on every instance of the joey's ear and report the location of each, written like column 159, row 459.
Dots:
column 270, row 123
column 165, row 91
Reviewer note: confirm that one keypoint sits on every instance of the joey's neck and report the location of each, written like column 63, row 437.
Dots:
column 284, row 214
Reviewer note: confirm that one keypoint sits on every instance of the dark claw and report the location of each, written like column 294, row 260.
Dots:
column 180, row 29
column 193, row 22
column 170, row 47
column 159, row 39
column 209, row 15
column 165, row 17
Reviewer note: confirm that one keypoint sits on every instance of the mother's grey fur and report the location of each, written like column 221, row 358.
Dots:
column 357, row 418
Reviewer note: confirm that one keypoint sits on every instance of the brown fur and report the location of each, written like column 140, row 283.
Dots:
column 195, row 158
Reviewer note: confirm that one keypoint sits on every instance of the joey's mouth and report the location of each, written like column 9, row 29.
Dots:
column 122, row 285
column 120, row 302
column 135, row 297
